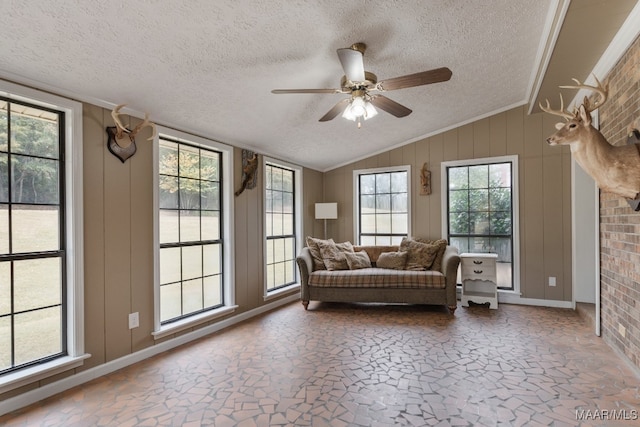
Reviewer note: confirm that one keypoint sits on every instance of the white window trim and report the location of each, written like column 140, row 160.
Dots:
column 356, row 195
column 228, row 265
column 75, row 236
column 298, row 219
column 515, row 201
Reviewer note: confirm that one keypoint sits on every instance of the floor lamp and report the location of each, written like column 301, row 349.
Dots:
column 326, row 211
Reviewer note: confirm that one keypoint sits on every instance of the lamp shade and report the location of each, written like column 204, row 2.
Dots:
column 327, row 210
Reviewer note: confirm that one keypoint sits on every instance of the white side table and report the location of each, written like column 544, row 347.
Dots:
column 479, row 280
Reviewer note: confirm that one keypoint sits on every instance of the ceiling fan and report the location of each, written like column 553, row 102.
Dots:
column 360, row 83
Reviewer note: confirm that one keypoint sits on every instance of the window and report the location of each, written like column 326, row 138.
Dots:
column 193, row 265
column 282, row 223
column 480, row 210
column 382, row 205
column 40, row 235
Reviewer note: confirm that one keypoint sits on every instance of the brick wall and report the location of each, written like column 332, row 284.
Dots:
column 619, row 224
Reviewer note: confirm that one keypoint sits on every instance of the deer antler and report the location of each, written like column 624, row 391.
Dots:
column 145, row 123
column 115, row 114
column 600, row 90
column 559, row 112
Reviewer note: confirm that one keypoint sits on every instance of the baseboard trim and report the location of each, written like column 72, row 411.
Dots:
column 33, row 396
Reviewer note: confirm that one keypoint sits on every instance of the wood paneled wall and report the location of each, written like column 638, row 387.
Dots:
column 544, row 190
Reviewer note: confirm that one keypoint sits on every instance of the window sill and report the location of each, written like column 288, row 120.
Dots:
column 192, row 321
column 32, row 374
column 282, row 291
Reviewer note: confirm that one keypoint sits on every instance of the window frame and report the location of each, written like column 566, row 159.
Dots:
column 227, row 234
column 298, row 222
column 356, row 195
column 72, row 215
column 515, row 207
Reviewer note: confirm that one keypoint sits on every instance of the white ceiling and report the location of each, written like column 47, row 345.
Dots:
column 208, row 67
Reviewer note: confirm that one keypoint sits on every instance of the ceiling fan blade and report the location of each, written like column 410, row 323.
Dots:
column 418, row 79
column 352, row 63
column 281, row 91
column 335, row 110
column 390, row 106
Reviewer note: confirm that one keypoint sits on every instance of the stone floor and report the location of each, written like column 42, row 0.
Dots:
column 367, row 365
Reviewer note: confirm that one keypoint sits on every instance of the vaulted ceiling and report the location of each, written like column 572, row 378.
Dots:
column 208, row 67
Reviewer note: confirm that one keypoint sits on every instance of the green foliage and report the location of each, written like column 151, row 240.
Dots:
column 34, row 147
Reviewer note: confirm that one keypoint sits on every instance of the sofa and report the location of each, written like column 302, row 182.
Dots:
column 372, row 283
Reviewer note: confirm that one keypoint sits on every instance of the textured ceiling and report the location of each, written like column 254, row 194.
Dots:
column 208, row 67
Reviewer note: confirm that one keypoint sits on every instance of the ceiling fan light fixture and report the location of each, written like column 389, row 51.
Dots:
column 358, row 109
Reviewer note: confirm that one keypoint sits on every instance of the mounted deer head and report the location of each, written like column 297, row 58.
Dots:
column 124, row 147
column 614, row 168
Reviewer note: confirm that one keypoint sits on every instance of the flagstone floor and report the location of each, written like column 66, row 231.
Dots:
column 367, row 365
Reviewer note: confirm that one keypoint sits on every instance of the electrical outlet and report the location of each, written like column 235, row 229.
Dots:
column 552, row 281
column 134, row 320
column 622, row 330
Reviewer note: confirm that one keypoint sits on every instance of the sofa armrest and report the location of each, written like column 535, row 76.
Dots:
column 305, row 265
column 450, row 263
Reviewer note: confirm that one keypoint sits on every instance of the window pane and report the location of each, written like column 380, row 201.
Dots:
column 383, row 183
column 383, row 202
column 5, row 343
column 276, row 178
column 383, row 240
column 269, row 177
column 278, row 250
column 500, row 175
column 169, row 226
column 189, row 161
column 4, row 230
column 5, row 289
column 368, row 204
column 35, row 229
column 383, row 223
column 212, row 291
column 399, row 203
column 212, row 263
column 367, row 184
column 170, row 301
column 287, row 202
column 168, row 192
column 210, row 196
column 287, row 224
column 189, row 226
column 32, row 135
column 479, row 222
column 4, row 146
column 399, row 182
column 277, row 225
column 290, row 248
column 478, row 176
column 168, row 158
column 4, row 178
column 287, row 181
column 478, row 200
column 368, row 223
column 458, row 178
column 290, row 272
column 191, row 262
column 399, row 223
column 368, row 240
column 209, row 165
column 37, row 283
column 34, row 180
column 210, row 225
column 500, row 199
column 462, row 243
column 459, row 222
column 189, row 193
column 170, row 265
column 192, row 296
column 458, row 200
column 37, row 334
column 500, row 223
column 271, row 280
column 502, row 246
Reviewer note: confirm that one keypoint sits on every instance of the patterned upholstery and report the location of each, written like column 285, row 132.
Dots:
column 378, row 278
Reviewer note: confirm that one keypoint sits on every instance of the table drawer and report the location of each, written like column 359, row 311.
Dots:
column 482, row 272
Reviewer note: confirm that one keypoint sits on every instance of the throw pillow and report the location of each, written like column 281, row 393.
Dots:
column 392, row 260
column 357, row 260
column 420, row 255
column 333, row 254
column 312, row 243
column 442, row 246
